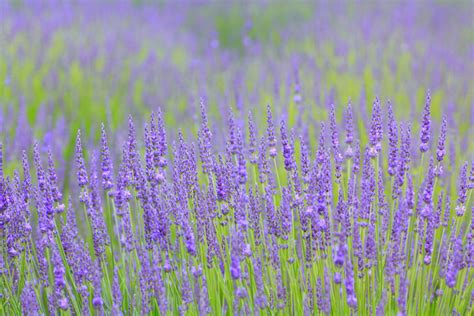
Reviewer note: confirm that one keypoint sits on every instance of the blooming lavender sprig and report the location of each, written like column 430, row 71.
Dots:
column 252, row 139
column 53, row 179
column 271, row 139
column 462, row 190
column 349, row 124
column 60, row 300
column 106, row 162
column 455, row 263
column 287, row 144
column 426, row 125
column 205, row 137
column 26, row 185
column 29, row 301
column 82, row 178
column 393, row 141
column 376, row 132
column 441, row 150
column 158, row 134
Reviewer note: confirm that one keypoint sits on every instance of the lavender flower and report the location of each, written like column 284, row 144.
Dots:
column 349, row 284
column 426, row 125
column 455, row 264
column 81, row 168
column 271, row 139
column 29, row 301
column 462, row 190
column 106, row 163
column 252, row 140
column 287, row 147
column 393, row 141
column 349, row 125
column 26, row 185
column 158, row 135
column 375, row 133
column 441, row 151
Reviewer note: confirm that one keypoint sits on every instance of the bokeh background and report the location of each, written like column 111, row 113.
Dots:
column 70, row 65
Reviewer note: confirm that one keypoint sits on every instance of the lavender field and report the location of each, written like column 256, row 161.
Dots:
column 236, row 158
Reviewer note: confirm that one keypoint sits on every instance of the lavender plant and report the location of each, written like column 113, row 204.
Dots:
column 249, row 221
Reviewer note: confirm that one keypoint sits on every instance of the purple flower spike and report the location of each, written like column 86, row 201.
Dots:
column 429, row 182
column 376, row 132
column 393, row 141
column 59, row 279
column 159, row 141
column 97, row 301
column 29, row 301
column 287, row 147
column 349, row 124
column 402, row 295
column 204, row 140
column 53, row 179
column 253, row 133
column 235, row 270
column 462, row 191
column 349, row 284
column 455, row 264
column 26, row 185
column 80, row 164
column 426, row 125
column 441, row 151
column 271, row 139
column 106, row 162
column 40, row 174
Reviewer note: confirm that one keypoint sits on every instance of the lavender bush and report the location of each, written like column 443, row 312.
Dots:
column 299, row 159
column 253, row 221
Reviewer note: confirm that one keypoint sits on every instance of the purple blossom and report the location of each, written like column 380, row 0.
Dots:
column 106, row 162
column 235, row 269
column 462, row 190
column 455, row 263
column 53, row 179
column 429, row 184
column 26, row 185
column 349, row 284
column 29, row 301
column 205, row 137
column 97, row 301
column 375, row 133
column 430, row 230
column 441, row 151
column 252, row 140
column 402, row 295
column 287, row 144
column 425, row 132
column 80, row 164
column 349, row 125
column 271, row 139
column 158, row 135
column 393, row 142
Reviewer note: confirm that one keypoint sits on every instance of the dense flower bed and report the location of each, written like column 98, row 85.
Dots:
column 264, row 223
column 273, row 158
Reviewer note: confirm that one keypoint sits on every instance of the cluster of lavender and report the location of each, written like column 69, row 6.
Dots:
column 263, row 224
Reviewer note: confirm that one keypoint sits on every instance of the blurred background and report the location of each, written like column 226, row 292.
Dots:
column 66, row 65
